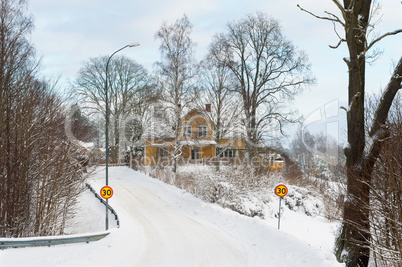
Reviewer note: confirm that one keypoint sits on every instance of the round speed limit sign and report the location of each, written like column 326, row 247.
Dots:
column 281, row 190
column 106, row 192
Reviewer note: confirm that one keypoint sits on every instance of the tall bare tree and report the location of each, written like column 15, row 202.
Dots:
column 37, row 162
column 128, row 81
column 16, row 64
column 176, row 71
column 217, row 91
column 353, row 242
column 269, row 69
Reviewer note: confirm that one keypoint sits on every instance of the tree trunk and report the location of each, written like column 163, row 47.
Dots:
column 353, row 241
column 352, row 244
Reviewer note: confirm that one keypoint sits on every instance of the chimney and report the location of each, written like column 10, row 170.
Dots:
column 208, row 107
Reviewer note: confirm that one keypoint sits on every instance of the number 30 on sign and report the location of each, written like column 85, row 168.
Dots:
column 281, row 190
column 106, row 192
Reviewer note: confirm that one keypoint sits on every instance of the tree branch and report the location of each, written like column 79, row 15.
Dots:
column 379, row 131
column 387, row 97
column 323, row 18
column 380, row 38
column 339, row 43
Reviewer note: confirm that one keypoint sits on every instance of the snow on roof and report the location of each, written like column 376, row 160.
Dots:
column 198, row 142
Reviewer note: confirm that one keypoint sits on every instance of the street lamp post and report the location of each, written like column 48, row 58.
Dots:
column 107, row 127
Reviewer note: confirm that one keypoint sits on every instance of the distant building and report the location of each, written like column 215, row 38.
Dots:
column 197, row 142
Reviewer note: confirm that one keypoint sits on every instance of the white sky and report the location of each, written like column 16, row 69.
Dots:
column 69, row 32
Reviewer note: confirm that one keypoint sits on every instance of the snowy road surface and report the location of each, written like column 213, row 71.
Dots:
column 173, row 238
column 164, row 226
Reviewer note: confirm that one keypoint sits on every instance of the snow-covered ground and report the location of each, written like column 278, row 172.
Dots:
column 164, row 226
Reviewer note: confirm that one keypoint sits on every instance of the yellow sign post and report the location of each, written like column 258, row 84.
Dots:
column 281, row 191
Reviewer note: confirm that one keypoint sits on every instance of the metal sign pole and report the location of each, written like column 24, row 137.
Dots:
column 281, row 191
column 279, row 217
column 106, row 192
column 107, row 215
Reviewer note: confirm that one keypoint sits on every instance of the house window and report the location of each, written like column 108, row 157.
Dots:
column 163, row 156
column 228, row 153
column 195, row 153
column 187, row 131
column 202, row 131
column 163, row 152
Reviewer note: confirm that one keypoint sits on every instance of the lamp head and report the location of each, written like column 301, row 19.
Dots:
column 134, row 44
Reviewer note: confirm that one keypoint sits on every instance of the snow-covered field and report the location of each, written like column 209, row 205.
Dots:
column 164, row 226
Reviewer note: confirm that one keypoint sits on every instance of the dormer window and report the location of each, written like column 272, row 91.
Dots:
column 202, row 131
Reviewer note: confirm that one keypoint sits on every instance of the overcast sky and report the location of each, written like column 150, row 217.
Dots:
column 69, row 32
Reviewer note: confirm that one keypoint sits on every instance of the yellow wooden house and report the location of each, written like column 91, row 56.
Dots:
column 197, row 142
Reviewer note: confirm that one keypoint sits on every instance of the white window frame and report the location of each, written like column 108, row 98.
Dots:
column 228, row 153
column 195, row 153
column 202, row 131
column 188, row 131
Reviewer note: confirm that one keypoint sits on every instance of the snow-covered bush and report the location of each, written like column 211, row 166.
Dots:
column 240, row 189
column 303, row 200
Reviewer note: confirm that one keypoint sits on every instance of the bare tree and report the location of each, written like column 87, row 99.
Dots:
column 55, row 162
column 269, row 69
column 176, row 71
column 16, row 64
column 81, row 126
column 40, row 164
column 308, row 150
column 128, row 81
column 353, row 241
column 386, row 190
column 37, row 162
column 139, row 123
column 217, row 92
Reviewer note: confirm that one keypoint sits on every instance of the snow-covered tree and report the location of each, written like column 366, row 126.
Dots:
column 175, row 72
column 356, row 19
column 269, row 70
column 218, row 100
column 310, row 150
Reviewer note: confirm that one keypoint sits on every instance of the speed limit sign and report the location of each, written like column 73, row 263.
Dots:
column 281, row 190
column 106, row 192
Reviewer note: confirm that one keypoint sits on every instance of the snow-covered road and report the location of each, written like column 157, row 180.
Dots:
column 164, row 226
column 170, row 237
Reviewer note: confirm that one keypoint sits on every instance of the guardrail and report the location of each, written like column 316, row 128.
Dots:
column 58, row 240
column 104, row 203
column 49, row 241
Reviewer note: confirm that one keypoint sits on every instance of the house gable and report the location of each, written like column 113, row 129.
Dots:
column 195, row 126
